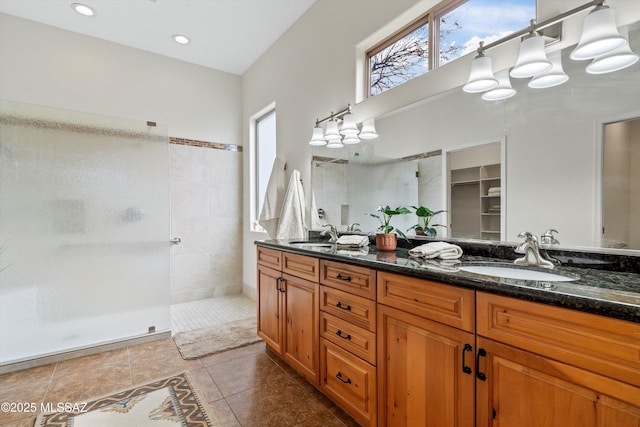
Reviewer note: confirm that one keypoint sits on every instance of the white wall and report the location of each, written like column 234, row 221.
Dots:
column 311, row 70
column 43, row 65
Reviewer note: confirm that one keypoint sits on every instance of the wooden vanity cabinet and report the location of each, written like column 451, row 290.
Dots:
column 552, row 367
column 426, row 346
column 348, row 338
column 288, row 308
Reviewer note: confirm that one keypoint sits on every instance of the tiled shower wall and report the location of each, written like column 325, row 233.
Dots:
column 206, row 213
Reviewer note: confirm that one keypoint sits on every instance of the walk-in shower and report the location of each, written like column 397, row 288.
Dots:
column 84, row 230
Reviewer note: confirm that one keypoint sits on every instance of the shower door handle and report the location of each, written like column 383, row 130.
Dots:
column 175, row 240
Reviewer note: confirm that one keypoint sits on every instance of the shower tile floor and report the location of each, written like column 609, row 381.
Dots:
column 193, row 315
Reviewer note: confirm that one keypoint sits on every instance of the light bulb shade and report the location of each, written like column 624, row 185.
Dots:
column 502, row 91
column 331, row 133
column 336, row 143
column 368, row 129
column 532, row 59
column 554, row 77
column 620, row 58
column 349, row 126
column 599, row 34
column 350, row 139
column 481, row 76
column 317, row 138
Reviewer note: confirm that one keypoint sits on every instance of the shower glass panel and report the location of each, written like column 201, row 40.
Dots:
column 84, row 228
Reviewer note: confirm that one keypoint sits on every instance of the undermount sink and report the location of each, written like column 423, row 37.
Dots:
column 507, row 271
column 312, row 243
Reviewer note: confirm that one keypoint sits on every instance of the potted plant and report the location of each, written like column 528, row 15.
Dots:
column 386, row 238
column 424, row 226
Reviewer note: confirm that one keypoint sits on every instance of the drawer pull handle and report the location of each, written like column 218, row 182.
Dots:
column 339, row 376
column 346, row 337
column 466, row 369
column 339, row 305
column 480, row 375
column 341, row 277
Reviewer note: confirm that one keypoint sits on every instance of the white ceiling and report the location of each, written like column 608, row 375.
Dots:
column 227, row 35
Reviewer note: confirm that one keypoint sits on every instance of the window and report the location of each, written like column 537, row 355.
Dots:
column 265, row 154
column 459, row 25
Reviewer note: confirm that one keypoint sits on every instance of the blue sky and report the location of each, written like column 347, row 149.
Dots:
column 490, row 20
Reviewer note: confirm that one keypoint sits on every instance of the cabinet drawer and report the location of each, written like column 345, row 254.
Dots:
column 358, row 341
column 599, row 344
column 352, row 308
column 350, row 381
column 350, row 278
column 269, row 258
column 302, row 266
column 446, row 304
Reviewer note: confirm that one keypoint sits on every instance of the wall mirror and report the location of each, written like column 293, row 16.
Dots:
column 554, row 157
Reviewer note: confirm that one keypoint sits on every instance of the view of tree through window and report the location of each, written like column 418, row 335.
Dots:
column 460, row 24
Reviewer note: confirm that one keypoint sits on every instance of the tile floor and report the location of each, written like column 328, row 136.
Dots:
column 249, row 386
column 211, row 312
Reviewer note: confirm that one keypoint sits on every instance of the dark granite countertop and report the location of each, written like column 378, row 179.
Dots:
column 609, row 293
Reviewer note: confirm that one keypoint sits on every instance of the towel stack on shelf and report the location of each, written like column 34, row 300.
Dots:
column 493, row 191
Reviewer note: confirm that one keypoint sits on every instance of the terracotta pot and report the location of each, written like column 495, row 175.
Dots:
column 387, row 256
column 386, row 241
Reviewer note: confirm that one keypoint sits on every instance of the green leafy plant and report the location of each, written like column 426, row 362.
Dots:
column 424, row 226
column 386, row 213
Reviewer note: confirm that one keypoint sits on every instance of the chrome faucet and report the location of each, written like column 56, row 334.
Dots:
column 547, row 238
column 353, row 228
column 332, row 232
column 529, row 248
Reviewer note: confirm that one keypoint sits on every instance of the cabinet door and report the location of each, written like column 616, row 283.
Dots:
column 302, row 326
column 270, row 307
column 523, row 389
column 424, row 372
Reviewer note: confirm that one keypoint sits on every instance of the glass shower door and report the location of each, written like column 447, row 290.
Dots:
column 84, row 227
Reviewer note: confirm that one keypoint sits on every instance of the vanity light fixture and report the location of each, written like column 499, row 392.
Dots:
column 620, row 58
column 83, row 9
column 554, row 77
column 481, row 76
column 599, row 34
column 600, row 41
column 341, row 130
column 532, row 59
column 180, row 39
column 502, row 91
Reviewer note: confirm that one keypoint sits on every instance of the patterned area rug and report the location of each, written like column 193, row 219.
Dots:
column 168, row 402
column 206, row 341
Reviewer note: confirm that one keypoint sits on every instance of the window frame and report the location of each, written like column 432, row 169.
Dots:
column 431, row 18
column 255, row 164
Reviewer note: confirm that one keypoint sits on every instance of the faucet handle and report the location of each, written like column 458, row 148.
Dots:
column 528, row 237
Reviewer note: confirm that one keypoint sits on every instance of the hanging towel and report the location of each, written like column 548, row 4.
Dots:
column 316, row 224
column 292, row 223
column 273, row 199
column 353, row 241
column 442, row 250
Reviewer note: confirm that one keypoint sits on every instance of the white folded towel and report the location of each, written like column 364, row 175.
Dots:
column 347, row 251
column 442, row 250
column 493, row 190
column 444, row 265
column 353, row 241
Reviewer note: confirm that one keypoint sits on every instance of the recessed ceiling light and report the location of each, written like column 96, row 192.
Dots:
column 180, row 39
column 83, row 9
